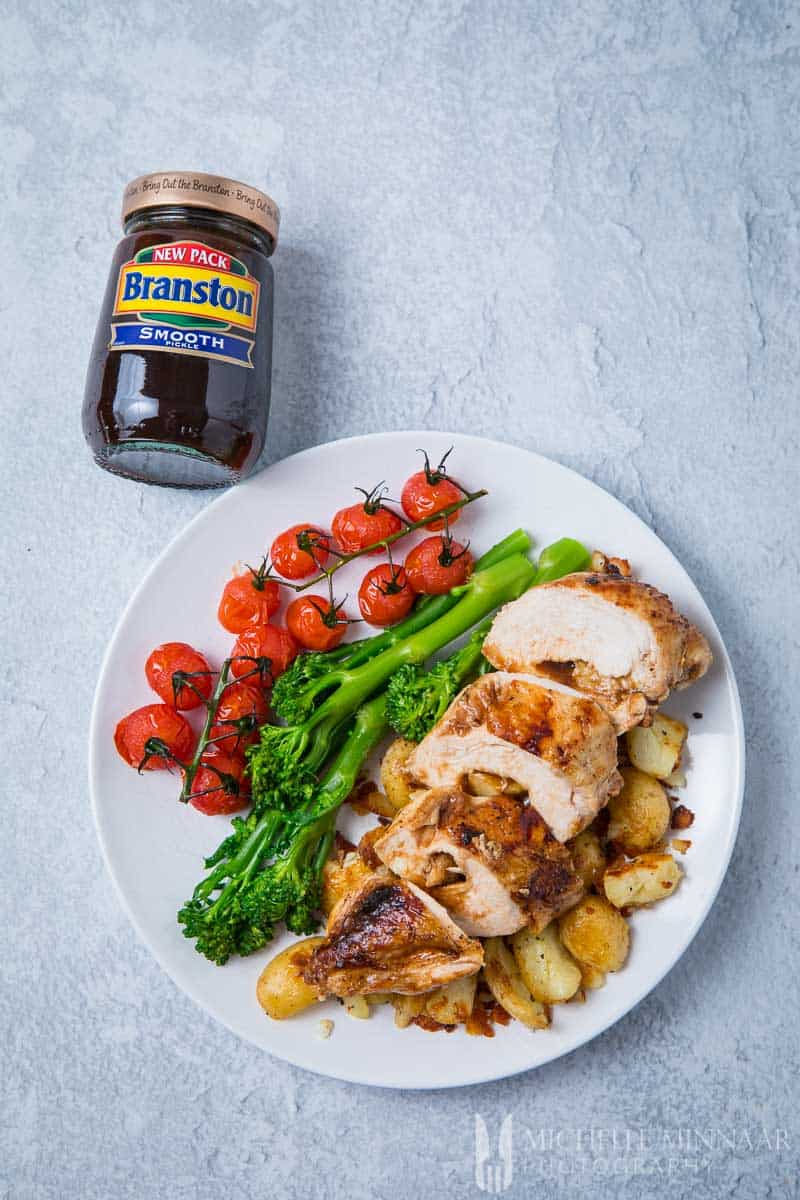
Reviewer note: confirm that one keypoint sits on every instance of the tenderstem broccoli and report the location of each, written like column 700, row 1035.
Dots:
column 270, row 868
column 285, row 764
column 417, row 698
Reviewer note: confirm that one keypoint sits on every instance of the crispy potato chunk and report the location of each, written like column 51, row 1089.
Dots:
column 588, row 857
column 656, row 750
column 506, row 984
column 358, row 1007
column 640, row 813
column 281, row 990
column 452, row 1004
column 644, row 880
column 595, row 934
column 550, row 973
column 406, row 1008
column 393, row 776
column 341, row 877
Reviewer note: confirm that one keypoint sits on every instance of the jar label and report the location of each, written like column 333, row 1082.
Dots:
column 186, row 297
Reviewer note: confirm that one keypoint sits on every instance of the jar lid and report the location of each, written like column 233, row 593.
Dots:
column 197, row 190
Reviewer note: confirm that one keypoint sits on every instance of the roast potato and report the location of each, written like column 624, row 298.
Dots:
column 506, row 984
column 656, row 749
column 549, row 972
column 595, row 934
column 406, row 1008
column 452, row 1004
column 281, row 990
column 640, row 814
column 341, row 877
column 393, row 776
column 588, row 857
column 643, row 880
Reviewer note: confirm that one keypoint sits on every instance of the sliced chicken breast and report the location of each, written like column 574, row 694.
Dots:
column 613, row 638
column 561, row 747
column 388, row 936
column 490, row 860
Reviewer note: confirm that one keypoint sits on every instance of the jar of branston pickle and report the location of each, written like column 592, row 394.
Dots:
column 178, row 386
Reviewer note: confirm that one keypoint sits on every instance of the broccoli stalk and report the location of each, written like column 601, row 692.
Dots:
column 417, row 698
column 314, row 665
column 270, row 868
column 285, row 764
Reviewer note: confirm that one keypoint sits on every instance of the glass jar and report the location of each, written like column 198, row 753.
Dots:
column 178, row 386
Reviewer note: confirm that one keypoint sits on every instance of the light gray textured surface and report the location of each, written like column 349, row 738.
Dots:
column 573, row 226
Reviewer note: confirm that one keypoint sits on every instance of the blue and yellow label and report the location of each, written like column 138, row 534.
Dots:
column 186, row 297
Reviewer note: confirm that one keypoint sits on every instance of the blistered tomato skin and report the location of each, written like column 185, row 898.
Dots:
column 263, row 641
column 437, row 565
column 247, row 600
column 420, row 499
column 312, row 623
column 385, row 595
column 219, row 786
column 242, row 709
column 300, row 551
column 170, row 658
column 355, row 527
column 154, row 721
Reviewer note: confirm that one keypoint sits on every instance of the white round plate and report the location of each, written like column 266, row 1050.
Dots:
column 154, row 846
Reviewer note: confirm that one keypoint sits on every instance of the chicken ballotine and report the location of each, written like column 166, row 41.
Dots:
column 578, row 661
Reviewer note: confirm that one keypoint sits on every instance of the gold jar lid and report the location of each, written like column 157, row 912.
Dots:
column 197, row 190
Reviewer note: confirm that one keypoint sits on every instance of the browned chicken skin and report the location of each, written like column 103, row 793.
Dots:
column 559, row 746
column 616, row 639
column 388, row 936
column 489, row 860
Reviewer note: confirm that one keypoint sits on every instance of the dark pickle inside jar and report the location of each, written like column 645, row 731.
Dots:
column 178, row 386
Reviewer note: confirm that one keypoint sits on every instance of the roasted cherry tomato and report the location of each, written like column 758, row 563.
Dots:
column 316, row 623
column 264, row 641
column 385, row 595
column 166, row 669
column 429, row 491
column 242, row 709
column 437, row 565
column 361, row 525
column 219, row 785
column 247, row 600
column 300, row 551
column 154, row 721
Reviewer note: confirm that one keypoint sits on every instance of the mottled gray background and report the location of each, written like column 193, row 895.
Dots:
column 575, row 226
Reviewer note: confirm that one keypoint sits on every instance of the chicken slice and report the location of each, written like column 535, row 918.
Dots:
column 489, row 860
column 561, row 747
column 388, row 936
column 613, row 638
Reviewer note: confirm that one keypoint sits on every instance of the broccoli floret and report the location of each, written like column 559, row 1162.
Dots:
column 270, row 868
column 417, row 698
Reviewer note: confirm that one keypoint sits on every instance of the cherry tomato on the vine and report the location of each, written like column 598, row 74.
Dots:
column 316, row 623
column 437, row 565
column 263, row 641
column 219, row 785
column 178, row 658
column 300, row 551
column 429, row 491
column 242, row 708
column 385, row 595
column 361, row 525
column 247, row 600
column 157, row 721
